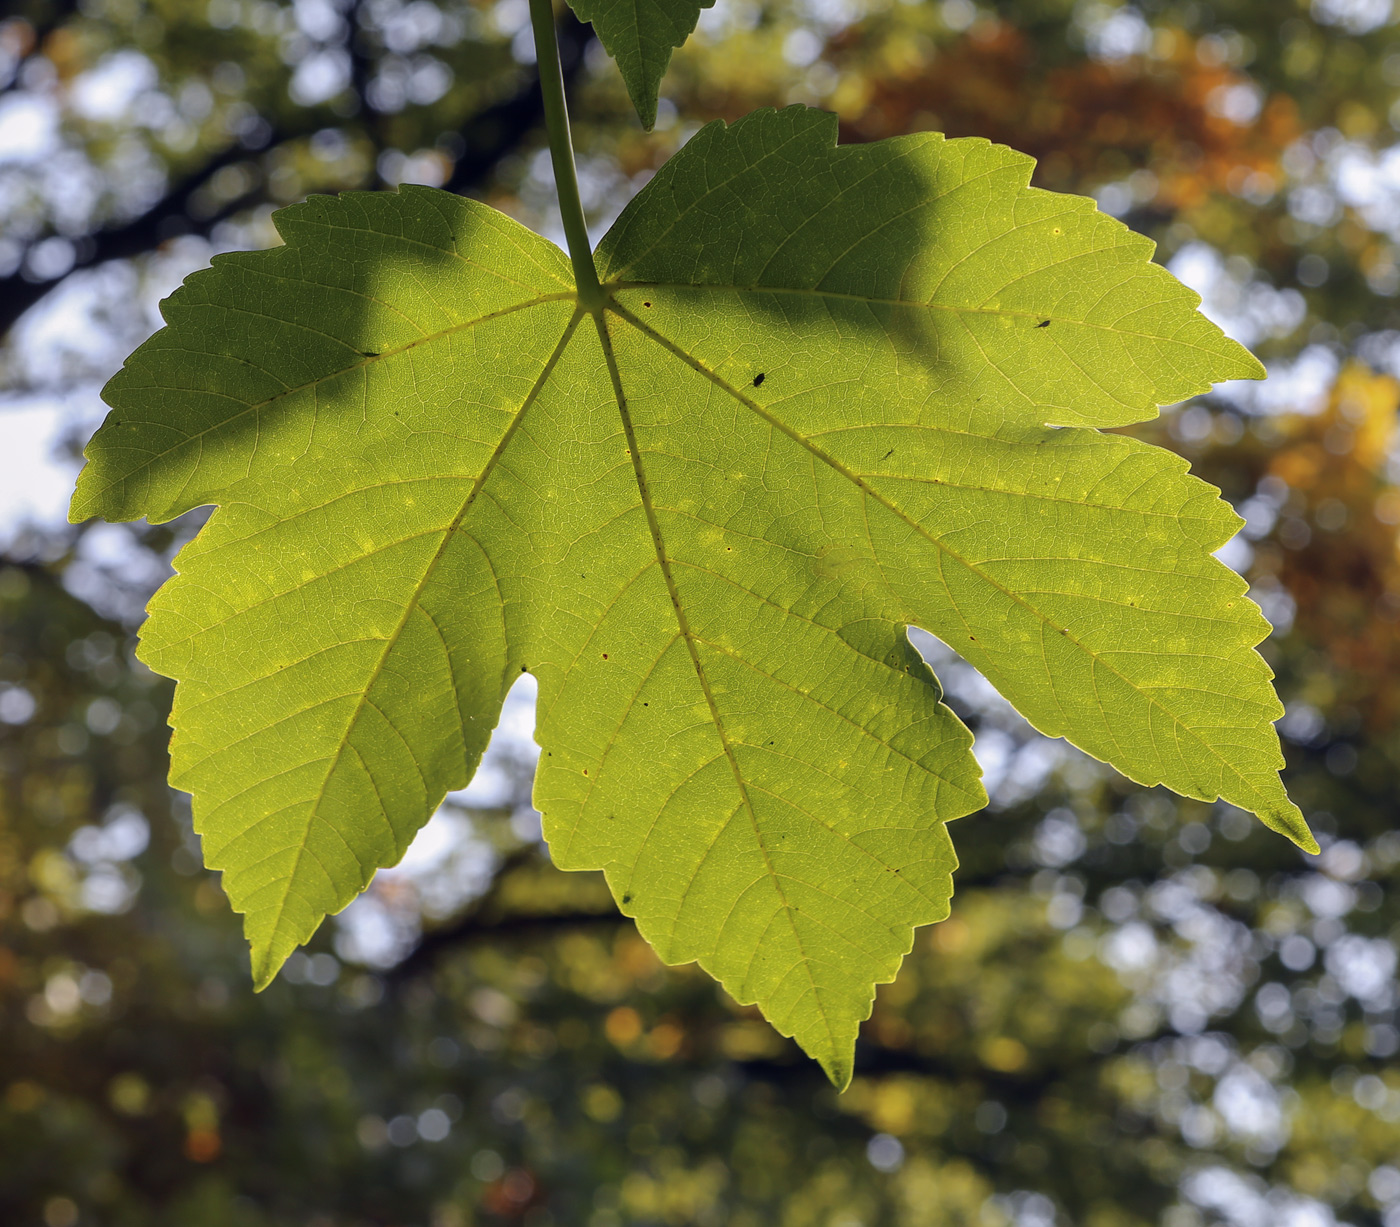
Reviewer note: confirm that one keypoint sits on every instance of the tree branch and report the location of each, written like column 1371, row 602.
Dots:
column 490, row 135
column 485, row 918
column 132, row 238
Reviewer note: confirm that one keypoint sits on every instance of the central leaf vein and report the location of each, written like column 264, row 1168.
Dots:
column 688, row 636
column 303, row 845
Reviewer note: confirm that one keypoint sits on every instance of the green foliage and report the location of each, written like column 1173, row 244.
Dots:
column 561, row 1050
column 418, row 431
column 961, row 315
column 817, row 410
column 1012, row 1055
column 641, row 35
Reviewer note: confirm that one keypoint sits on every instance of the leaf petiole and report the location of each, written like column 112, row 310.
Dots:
column 561, row 152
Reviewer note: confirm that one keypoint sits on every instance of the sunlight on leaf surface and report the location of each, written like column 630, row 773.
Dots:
column 835, row 392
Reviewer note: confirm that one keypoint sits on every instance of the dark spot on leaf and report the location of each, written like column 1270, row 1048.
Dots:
column 758, row 379
column 1043, row 324
column 605, row 656
column 973, row 638
column 646, row 304
column 524, row 669
column 888, row 454
column 585, row 771
column 368, row 353
column 646, row 704
column 626, row 898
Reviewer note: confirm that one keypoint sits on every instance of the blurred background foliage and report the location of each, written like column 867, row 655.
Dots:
column 1143, row 1011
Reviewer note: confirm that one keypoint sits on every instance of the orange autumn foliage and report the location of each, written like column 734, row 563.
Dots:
column 1081, row 121
column 1346, row 577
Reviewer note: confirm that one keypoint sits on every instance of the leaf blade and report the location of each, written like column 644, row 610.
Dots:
column 702, row 696
column 833, row 394
column 641, row 36
column 769, row 208
column 752, row 299
column 335, row 677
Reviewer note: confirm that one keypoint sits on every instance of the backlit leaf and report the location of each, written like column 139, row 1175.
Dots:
column 834, row 392
column 641, row 35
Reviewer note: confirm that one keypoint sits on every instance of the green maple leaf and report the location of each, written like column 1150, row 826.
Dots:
column 833, row 392
column 641, row 35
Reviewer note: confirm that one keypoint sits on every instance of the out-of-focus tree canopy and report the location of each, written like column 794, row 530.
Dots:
column 1142, row 1012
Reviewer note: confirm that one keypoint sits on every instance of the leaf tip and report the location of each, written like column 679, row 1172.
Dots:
column 1306, row 840
column 85, row 503
column 1254, row 369
column 1238, row 361
column 1289, row 822
column 266, row 963
column 645, row 101
column 839, row 1068
column 78, row 508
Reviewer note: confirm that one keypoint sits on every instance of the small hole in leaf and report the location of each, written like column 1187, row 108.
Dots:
column 758, row 379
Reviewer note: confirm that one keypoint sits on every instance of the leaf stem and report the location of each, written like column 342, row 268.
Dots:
column 561, row 153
